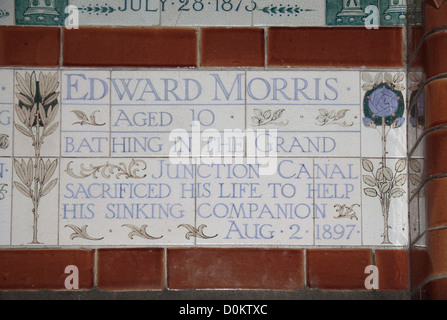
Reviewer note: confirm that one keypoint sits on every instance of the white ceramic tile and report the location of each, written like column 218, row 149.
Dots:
column 118, row 12
column 126, row 202
column 26, row 131
column 414, row 219
column 385, row 179
column 314, row 113
column 207, row 12
column 85, row 120
column 5, row 200
column 236, row 205
column 6, row 111
column 415, row 174
column 148, row 106
column 290, row 13
column 7, row 13
column 383, row 99
column 35, row 203
column 338, row 205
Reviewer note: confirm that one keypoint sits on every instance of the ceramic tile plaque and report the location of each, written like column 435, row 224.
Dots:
column 203, row 158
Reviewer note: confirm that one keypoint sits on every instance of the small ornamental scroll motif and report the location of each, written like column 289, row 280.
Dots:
column 345, row 211
column 139, row 232
column 107, row 170
column 262, row 118
column 81, row 233
column 193, row 232
column 86, row 120
column 333, row 117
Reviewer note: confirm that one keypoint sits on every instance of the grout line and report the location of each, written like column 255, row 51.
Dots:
column 95, row 268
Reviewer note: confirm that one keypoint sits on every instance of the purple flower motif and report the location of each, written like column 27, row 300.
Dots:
column 368, row 123
column 398, row 122
column 383, row 102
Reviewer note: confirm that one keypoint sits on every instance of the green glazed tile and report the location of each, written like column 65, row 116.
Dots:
column 353, row 14
column 40, row 12
column 392, row 12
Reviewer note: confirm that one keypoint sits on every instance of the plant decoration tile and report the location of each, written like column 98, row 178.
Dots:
column 311, row 113
column 384, row 114
column 85, row 120
column 117, row 12
column 36, row 152
column 128, row 201
column 349, row 12
column 393, row 12
column 207, row 12
column 290, row 13
column 7, row 13
column 34, row 138
column 385, row 201
column 157, row 113
column 40, row 12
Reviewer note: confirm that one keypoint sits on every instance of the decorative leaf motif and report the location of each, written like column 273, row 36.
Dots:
column 23, row 189
column 398, row 192
column 398, row 77
column 388, row 78
column 49, row 187
column 401, row 179
column 400, row 165
column 370, row 192
column 378, row 78
column 367, row 165
column 370, row 181
column 415, row 179
column 366, row 77
column 415, row 165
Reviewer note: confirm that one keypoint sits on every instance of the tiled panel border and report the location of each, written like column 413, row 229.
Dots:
column 163, row 13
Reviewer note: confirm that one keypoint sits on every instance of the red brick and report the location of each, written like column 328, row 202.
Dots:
column 435, row 290
column 130, row 269
column 235, row 269
column 44, row 269
column 419, row 265
column 131, row 47
column 335, row 47
column 394, row 270
column 232, row 47
column 30, row 46
column 337, row 269
column 435, row 46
